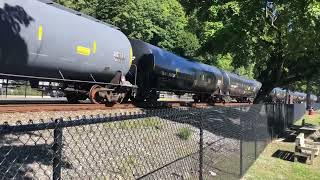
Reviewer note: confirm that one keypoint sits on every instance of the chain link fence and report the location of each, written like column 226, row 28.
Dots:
column 181, row 143
column 316, row 106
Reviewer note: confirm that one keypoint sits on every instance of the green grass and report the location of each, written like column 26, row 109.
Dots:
column 136, row 124
column 268, row 167
column 184, row 133
column 21, row 91
column 127, row 165
column 310, row 119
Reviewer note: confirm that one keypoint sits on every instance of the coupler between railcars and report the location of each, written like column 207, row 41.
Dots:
column 203, row 98
column 148, row 95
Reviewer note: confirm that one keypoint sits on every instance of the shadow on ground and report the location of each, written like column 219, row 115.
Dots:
column 284, row 155
column 288, row 156
column 21, row 161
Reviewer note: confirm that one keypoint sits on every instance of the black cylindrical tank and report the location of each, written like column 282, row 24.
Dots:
column 163, row 70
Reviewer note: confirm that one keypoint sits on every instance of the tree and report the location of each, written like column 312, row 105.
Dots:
column 283, row 51
column 85, row 6
column 159, row 22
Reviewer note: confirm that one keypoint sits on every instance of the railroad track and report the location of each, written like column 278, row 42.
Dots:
column 22, row 108
column 232, row 104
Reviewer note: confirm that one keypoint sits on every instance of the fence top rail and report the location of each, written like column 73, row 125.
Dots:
column 88, row 120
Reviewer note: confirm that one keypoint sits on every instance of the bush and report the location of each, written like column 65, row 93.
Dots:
column 184, row 133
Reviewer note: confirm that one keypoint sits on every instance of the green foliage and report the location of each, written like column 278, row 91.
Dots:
column 281, row 52
column 267, row 165
column 159, row 22
column 184, row 133
column 246, row 71
column 86, row 6
column 225, row 62
column 313, row 119
column 21, row 90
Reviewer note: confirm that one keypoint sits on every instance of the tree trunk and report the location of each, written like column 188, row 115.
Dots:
column 263, row 93
column 269, row 77
column 308, row 94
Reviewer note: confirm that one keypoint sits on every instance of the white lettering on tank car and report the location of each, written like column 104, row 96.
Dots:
column 37, row 54
column 119, row 56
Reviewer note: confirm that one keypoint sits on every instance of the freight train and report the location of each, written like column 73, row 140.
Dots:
column 44, row 41
column 160, row 70
column 279, row 95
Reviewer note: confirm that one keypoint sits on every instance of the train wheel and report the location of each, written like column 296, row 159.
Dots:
column 112, row 97
column 94, row 95
column 121, row 98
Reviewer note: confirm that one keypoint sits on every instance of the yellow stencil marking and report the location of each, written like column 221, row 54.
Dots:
column 83, row 50
column 40, row 33
column 131, row 56
column 94, row 47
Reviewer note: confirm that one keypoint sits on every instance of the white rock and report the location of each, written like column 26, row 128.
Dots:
column 212, row 173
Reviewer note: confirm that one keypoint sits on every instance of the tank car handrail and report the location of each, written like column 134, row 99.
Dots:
column 62, row 80
column 135, row 76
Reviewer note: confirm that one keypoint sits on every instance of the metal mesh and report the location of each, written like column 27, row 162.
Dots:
column 144, row 147
column 316, row 106
column 182, row 143
column 26, row 155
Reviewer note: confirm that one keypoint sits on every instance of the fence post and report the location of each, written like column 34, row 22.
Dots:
column 201, row 148
column 242, row 125
column 273, row 120
column 279, row 120
column 25, row 89
column 284, row 109
column 57, row 151
column 255, row 139
column 7, row 88
column 241, row 158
